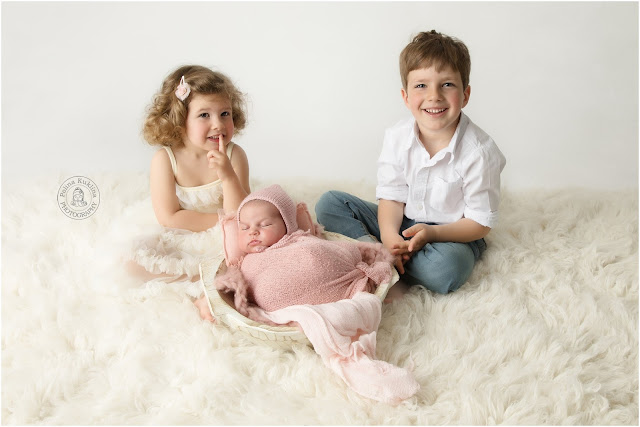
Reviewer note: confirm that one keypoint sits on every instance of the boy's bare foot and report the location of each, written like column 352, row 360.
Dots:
column 203, row 308
column 396, row 292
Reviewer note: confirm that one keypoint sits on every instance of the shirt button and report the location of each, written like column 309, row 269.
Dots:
column 420, row 206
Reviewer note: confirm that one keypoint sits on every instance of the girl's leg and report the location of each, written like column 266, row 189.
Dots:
column 349, row 215
column 142, row 274
column 203, row 308
column 443, row 267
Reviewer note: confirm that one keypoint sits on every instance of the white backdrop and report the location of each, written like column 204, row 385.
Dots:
column 555, row 84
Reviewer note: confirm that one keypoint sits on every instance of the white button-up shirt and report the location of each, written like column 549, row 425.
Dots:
column 460, row 181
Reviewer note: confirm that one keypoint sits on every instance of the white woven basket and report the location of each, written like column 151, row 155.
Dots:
column 223, row 310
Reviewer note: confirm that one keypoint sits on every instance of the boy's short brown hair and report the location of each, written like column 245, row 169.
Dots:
column 433, row 48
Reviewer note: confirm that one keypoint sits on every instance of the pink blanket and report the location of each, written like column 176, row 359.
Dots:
column 305, row 269
column 343, row 333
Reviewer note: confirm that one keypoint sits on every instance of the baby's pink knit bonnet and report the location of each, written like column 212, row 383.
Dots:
column 280, row 199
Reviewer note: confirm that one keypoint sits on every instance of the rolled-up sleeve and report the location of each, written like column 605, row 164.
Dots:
column 392, row 184
column 481, row 187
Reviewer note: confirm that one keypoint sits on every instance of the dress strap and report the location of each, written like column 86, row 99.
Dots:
column 174, row 165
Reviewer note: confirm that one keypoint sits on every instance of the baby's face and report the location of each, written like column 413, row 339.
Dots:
column 260, row 226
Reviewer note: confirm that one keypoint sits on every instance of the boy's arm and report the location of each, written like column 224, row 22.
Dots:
column 464, row 230
column 481, row 184
column 392, row 192
column 390, row 215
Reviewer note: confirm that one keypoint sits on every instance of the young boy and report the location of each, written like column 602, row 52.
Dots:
column 438, row 174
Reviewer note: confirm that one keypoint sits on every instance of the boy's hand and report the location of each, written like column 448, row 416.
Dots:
column 419, row 236
column 399, row 248
column 218, row 160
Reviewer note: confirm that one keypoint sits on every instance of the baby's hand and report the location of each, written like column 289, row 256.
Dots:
column 219, row 160
column 419, row 234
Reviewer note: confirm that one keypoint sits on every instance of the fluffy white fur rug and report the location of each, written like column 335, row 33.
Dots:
column 544, row 332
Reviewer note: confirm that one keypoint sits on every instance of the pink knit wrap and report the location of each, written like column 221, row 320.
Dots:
column 304, row 269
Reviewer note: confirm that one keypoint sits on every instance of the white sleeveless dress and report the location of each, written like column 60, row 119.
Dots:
column 176, row 251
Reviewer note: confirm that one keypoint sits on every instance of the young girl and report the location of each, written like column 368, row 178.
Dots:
column 197, row 171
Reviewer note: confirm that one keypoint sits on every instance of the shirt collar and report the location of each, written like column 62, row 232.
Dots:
column 457, row 136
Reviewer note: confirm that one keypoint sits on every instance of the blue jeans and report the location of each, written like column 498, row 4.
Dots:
column 441, row 267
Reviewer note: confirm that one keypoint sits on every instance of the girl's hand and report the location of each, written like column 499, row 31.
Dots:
column 420, row 236
column 219, row 160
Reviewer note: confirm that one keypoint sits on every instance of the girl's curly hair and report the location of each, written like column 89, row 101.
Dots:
column 167, row 115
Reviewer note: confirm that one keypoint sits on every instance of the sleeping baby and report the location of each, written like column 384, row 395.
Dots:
column 283, row 266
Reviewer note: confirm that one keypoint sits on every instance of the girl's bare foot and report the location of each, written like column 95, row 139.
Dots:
column 139, row 272
column 203, row 308
column 396, row 292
